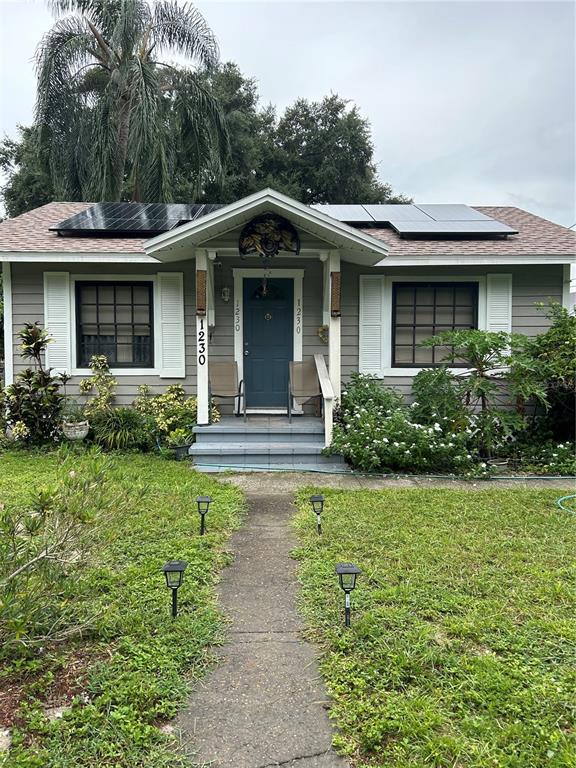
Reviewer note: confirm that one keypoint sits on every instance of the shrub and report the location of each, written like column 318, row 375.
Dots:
column 551, row 458
column 123, row 429
column 102, row 383
column 42, row 554
column 170, row 411
column 33, row 405
column 376, row 432
column 437, row 394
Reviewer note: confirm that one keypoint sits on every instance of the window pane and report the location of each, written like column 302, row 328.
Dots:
column 403, row 355
column 109, row 324
column 404, row 295
column 423, row 355
column 424, row 296
column 404, row 335
column 404, row 315
column 424, row 315
column 439, row 307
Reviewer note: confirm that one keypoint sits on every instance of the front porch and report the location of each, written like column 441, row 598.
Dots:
column 263, row 443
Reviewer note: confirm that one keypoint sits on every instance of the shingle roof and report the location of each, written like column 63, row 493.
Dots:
column 29, row 233
column 536, row 236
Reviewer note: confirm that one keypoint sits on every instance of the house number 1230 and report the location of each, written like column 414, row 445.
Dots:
column 201, row 344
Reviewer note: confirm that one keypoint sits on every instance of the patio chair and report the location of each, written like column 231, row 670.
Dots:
column 223, row 384
column 303, row 384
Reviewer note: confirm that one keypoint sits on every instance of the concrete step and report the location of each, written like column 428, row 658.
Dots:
column 268, row 455
column 240, row 433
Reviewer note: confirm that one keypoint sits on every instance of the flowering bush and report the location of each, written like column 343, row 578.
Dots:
column 372, row 436
column 171, row 411
column 551, row 458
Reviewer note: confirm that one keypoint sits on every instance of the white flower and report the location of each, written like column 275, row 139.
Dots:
column 437, row 427
column 385, row 440
column 396, row 445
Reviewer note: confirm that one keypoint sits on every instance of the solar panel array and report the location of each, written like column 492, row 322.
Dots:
column 148, row 219
column 414, row 220
column 136, row 219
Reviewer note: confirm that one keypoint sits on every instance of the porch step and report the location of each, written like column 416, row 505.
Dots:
column 263, row 444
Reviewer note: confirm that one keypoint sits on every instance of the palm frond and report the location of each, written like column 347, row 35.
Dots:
column 182, row 29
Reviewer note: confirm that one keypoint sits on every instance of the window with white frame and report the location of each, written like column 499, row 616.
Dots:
column 422, row 310
column 115, row 319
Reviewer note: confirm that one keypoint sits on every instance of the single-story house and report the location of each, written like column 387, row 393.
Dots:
column 165, row 290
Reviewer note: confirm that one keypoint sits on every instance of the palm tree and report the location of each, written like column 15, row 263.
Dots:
column 112, row 116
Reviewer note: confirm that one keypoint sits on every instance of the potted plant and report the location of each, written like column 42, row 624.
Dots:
column 180, row 440
column 75, row 425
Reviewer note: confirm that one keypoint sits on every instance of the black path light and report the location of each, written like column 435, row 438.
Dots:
column 347, row 573
column 203, row 507
column 318, row 507
column 174, row 573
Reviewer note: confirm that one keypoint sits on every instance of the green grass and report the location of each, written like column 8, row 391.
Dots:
column 462, row 651
column 140, row 662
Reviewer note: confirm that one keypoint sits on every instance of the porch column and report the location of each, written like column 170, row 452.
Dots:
column 202, row 337
column 332, row 267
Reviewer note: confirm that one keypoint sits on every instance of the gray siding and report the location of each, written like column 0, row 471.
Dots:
column 531, row 284
column 28, row 306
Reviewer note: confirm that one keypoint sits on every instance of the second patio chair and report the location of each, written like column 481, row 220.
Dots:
column 303, row 384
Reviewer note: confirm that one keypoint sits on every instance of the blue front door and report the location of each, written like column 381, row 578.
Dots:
column 268, row 341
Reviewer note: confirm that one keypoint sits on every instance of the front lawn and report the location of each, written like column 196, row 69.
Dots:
column 130, row 670
column 462, row 651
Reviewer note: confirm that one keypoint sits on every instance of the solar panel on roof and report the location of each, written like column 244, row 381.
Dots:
column 490, row 227
column 351, row 213
column 449, row 212
column 387, row 212
column 141, row 219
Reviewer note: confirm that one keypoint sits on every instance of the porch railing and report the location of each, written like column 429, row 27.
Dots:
column 327, row 396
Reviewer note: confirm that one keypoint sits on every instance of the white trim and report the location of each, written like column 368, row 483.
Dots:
column 8, row 324
column 387, row 281
column 519, row 260
column 239, row 274
column 334, row 329
column 224, row 219
column 202, row 349
column 123, row 372
column 74, row 258
column 566, row 285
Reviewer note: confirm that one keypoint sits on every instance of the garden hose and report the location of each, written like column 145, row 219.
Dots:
column 390, row 476
column 565, row 498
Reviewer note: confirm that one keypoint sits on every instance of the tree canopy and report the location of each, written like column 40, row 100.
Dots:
column 315, row 152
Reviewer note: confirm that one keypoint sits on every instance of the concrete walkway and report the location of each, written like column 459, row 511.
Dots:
column 264, row 704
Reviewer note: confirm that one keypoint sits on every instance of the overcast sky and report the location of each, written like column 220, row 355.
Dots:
column 469, row 101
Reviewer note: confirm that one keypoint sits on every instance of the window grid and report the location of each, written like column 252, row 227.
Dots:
column 434, row 325
column 138, row 349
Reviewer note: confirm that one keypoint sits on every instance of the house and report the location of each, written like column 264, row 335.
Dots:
column 164, row 290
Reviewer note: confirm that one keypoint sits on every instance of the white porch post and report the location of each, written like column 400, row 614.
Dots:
column 334, row 333
column 202, row 295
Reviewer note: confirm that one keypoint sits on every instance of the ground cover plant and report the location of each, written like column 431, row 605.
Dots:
column 116, row 659
column 462, row 650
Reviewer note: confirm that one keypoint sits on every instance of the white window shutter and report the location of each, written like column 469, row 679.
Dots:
column 499, row 303
column 170, row 316
column 371, row 356
column 57, row 320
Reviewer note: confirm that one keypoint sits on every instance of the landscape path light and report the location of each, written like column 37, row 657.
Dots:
column 318, row 507
column 174, row 573
column 347, row 573
column 203, row 507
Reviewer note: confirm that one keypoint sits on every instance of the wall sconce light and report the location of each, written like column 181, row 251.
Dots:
column 225, row 294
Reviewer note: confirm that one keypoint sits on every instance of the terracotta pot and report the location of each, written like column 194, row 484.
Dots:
column 75, row 430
